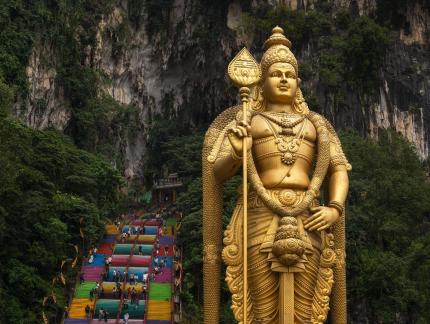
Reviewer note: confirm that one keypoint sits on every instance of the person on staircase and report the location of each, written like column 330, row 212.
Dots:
column 144, row 293
column 105, row 315
column 126, row 317
column 145, row 278
column 87, row 312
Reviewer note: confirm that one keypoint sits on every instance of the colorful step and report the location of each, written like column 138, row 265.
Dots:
column 159, row 310
column 168, row 231
column 167, row 240
column 167, row 260
column 139, row 271
column 166, row 250
column 142, row 239
column 136, row 311
column 98, row 260
column 149, row 230
column 111, row 229
column 140, row 261
column 92, row 273
column 106, row 248
column 120, row 259
column 83, row 290
column 113, row 321
column 165, row 275
column 126, row 249
column 160, row 291
column 75, row 321
column 77, row 307
column 111, row 306
column 108, row 287
column 152, row 222
column 109, row 239
column 135, row 260
column 171, row 222
column 138, row 222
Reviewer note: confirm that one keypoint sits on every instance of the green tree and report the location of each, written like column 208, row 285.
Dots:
column 49, row 189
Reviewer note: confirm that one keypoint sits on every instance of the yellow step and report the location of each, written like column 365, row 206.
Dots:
column 159, row 310
column 77, row 307
column 111, row 229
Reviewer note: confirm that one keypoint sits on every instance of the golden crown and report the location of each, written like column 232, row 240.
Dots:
column 277, row 49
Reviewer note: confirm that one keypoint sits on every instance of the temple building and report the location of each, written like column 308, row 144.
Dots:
column 165, row 190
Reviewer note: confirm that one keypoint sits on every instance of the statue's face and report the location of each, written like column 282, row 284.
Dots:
column 280, row 85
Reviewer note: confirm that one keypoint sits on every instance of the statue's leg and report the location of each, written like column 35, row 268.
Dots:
column 304, row 288
column 263, row 282
column 264, row 285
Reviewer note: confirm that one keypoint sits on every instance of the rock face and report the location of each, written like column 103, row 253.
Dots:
column 170, row 57
column 45, row 106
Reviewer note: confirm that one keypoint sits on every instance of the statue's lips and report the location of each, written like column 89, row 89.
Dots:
column 283, row 88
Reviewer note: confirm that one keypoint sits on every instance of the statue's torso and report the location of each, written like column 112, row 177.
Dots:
column 267, row 156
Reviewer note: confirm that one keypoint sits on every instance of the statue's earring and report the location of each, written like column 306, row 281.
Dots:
column 258, row 98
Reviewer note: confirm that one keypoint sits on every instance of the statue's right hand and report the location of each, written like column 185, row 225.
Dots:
column 236, row 135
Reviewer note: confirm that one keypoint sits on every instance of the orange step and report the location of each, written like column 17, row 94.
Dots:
column 111, row 229
column 77, row 308
column 159, row 310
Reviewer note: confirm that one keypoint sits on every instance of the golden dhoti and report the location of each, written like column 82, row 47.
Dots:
column 264, row 273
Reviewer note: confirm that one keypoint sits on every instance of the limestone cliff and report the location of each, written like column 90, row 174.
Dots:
column 45, row 106
column 169, row 57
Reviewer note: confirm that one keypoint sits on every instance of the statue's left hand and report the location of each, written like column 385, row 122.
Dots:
column 322, row 218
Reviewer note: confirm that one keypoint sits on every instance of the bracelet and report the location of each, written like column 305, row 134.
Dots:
column 235, row 156
column 336, row 205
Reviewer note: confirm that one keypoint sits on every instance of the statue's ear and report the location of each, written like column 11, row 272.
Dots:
column 299, row 81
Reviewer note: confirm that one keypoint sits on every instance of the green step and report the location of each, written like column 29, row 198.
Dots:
column 171, row 222
column 160, row 291
column 126, row 249
column 135, row 313
column 109, row 305
column 83, row 290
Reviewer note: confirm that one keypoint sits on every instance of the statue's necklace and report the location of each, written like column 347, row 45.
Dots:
column 281, row 119
column 288, row 148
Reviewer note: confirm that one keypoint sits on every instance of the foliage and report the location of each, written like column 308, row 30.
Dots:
column 16, row 40
column 48, row 190
column 388, row 226
column 6, row 98
column 298, row 25
column 392, row 13
column 158, row 13
column 365, row 46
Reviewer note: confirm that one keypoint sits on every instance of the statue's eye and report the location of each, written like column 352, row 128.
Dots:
column 276, row 74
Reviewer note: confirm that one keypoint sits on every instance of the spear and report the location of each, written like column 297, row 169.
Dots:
column 244, row 71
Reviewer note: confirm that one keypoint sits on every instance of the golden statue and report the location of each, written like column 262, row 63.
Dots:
column 283, row 249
